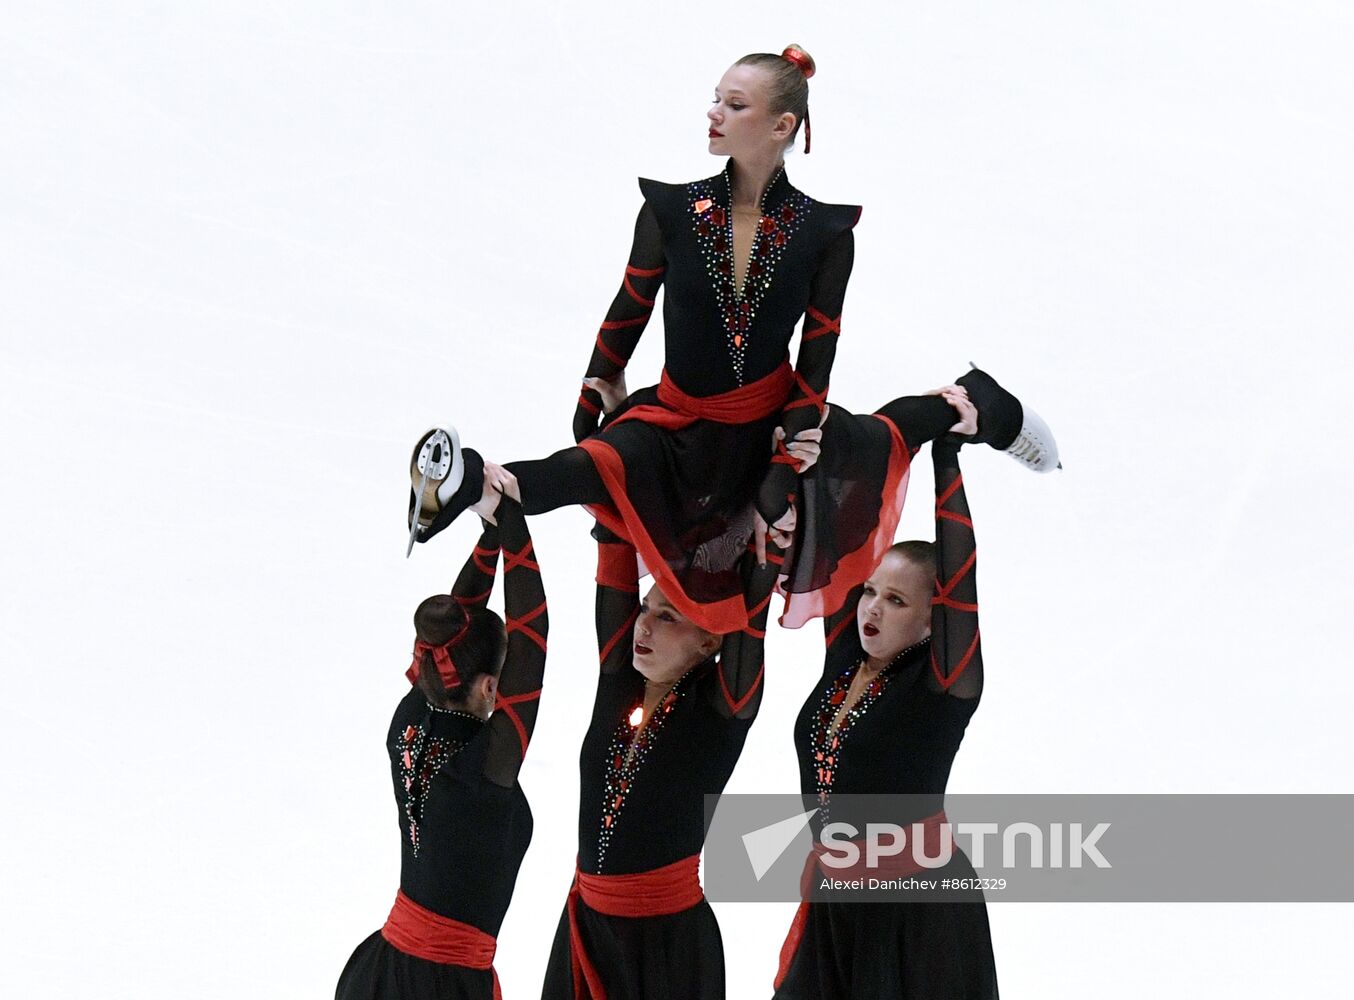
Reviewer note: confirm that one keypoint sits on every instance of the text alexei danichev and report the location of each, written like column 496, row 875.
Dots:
column 888, row 884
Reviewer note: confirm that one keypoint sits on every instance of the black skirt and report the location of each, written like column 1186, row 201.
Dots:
column 679, row 956
column 684, row 498
column 380, row 971
column 895, row 951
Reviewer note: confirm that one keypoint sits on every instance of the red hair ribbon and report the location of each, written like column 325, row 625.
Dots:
column 446, row 668
column 804, row 63
column 800, row 58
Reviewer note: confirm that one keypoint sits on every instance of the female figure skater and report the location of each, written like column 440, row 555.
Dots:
column 456, row 743
column 674, row 704
column 743, row 255
column 902, row 676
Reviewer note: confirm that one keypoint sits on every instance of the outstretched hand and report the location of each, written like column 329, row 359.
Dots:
column 498, row 482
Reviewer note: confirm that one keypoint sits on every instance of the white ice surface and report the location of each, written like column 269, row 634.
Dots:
column 249, row 251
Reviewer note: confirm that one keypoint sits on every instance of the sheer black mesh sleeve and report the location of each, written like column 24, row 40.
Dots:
column 617, row 601
column 742, row 653
column 625, row 321
column 528, row 625
column 839, row 628
column 956, row 652
column 817, row 350
column 475, row 582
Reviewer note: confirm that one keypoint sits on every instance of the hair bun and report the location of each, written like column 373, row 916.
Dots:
column 440, row 619
column 801, row 59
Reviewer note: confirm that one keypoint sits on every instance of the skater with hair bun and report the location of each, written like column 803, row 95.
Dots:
column 456, row 743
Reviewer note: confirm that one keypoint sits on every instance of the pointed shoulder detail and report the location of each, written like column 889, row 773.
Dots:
column 840, row 217
column 668, row 202
column 659, row 190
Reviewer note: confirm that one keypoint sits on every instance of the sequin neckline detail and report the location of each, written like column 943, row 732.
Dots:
column 631, row 742
column 712, row 218
column 825, row 743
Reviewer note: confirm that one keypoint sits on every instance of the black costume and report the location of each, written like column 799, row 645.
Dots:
column 900, row 737
column 641, row 807
column 464, row 821
column 676, row 470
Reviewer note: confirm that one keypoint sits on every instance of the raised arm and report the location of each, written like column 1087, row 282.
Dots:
column 956, row 650
column 617, row 601
column 741, row 656
column 817, row 350
column 625, row 321
column 839, row 628
column 528, row 626
column 476, row 580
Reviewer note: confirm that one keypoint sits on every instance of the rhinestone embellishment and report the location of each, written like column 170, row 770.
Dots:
column 420, row 759
column 713, row 223
column 824, row 743
column 630, row 745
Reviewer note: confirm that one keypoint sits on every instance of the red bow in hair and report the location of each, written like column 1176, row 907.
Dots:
column 446, row 668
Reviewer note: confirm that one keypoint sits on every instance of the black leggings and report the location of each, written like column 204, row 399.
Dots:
column 569, row 477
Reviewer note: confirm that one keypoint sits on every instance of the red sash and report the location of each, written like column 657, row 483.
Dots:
column 670, row 889
column 418, row 931
column 737, row 406
column 899, row 865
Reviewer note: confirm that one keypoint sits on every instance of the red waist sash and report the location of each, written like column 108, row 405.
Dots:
column 418, row 931
column 743, row 405
column 899, row 865
column 670, row 889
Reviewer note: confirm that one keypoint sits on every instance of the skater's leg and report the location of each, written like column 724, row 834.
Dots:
column 566, row 477
column 919, row 419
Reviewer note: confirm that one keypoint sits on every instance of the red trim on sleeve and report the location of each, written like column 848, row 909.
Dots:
column 609, row 354
column 625, row 630
column 825, row 325
column 947, row 682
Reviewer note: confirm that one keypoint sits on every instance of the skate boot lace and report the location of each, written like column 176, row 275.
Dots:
column 1027, row 448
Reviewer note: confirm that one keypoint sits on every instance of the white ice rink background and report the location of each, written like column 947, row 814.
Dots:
column 248, row 252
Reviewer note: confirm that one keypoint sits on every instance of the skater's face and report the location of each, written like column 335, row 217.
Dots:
column 742, row 124
column 667, row 643
column 895, row 610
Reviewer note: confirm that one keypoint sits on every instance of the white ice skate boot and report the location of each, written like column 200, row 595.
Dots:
column 438, row 473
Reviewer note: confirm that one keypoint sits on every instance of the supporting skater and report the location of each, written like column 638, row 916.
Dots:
column 456, row 743
column 902, row 676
